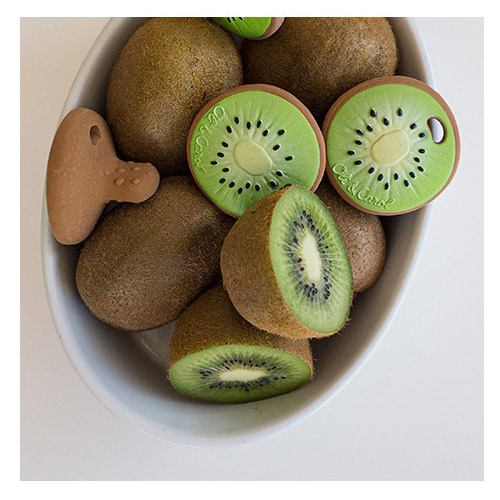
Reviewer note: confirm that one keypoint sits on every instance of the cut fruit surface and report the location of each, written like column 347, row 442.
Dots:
column 252, row 141
column 384, row 156
column 217, row 356
column 238, row 373
column 286, row 268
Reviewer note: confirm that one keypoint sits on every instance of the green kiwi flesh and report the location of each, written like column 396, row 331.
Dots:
column 217, row 356
column 248, row 27
column 382, row 154
column 285, row 267
column 310, row 262
column 252, row 141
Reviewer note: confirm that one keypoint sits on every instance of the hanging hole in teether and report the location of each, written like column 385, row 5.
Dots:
column 95, row 134
column 437, row 129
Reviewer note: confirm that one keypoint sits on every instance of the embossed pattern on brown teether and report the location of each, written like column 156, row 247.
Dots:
column 84, row 174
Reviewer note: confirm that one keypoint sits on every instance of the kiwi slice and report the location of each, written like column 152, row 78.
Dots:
column 256, row 28
column 285, row 266
column 385, row 152
column 251, row 141
column 217, row 356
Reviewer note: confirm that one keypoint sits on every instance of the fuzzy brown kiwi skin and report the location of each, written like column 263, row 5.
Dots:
column 363, row 236
column 248, row 275
column 272, row 90
column 144, row 263
column 168, row 69
column 211, row 320
column 328, row 55
column 405, row 80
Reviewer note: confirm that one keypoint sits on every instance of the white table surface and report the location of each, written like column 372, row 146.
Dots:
column 415, row 411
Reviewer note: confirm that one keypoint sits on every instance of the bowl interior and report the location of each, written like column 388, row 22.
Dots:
column 126, row 371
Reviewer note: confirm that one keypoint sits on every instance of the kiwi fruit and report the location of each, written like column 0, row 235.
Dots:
column 144, row 263
column 215, row 355
column 168, row 69
column 251, row 141
column 362, row 234
column 319, row 58
column 392, row 145
column 285, row 267
column 256, row 28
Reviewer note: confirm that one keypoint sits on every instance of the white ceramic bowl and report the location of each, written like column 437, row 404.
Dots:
column 127, row 371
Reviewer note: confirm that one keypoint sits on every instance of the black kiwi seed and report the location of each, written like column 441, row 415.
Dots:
column 386, row 121
column 373, row 112
column 371, row 170
column 400, row 112
column 265, row 133
column 220, row 155
column 259, row 124
column 240, row 190
column 279, row 173
column 406, row 183
column 276, row 147
column 358, row 162
column 289, row 158
column 421, row 151
column 358, row 142
column 249, row 125
column 229, row 129
column 231, row 184
column 222, row 180
column 396, row 176
column 225, row 144
column 273, row 183
column 213, row 162
column 420, row 168
column 421, row 135
column 417, row 159
column 247, row 185
column 412, row 175
column 360, row 132
column 380, row 177
column 413, row 126
column 225, row 169
column 236, row 120
column 257, row 187
column 281, row 132
column 351, row 152
column 386, row 185
column 369, row 128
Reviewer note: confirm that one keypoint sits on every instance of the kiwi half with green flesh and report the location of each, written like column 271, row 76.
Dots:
column 217, row 356
column 383, row 155
column 255, row 28
column 251, row 141
column 285, row 267
column 363, row 237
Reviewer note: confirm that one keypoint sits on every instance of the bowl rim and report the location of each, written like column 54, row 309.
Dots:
column 271, row 428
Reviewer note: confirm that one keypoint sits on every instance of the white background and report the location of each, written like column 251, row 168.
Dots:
column 415, row 411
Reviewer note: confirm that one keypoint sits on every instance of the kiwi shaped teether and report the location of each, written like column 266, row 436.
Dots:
column 84, row 174
column 252, row 141
column 392, row 145
column 255, row 28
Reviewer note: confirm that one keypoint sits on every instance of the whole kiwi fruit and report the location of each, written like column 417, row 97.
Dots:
column 363, row 237
column 319, row 58
column 144, row 263
column 168, row 69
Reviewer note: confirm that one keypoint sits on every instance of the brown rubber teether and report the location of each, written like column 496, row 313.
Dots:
column 84, row 175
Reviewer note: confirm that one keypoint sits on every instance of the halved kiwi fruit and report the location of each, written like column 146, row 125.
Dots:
column 285, row 267
column 217, row 356
column 255, row 28
column 251, row 141
column 385, row 151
